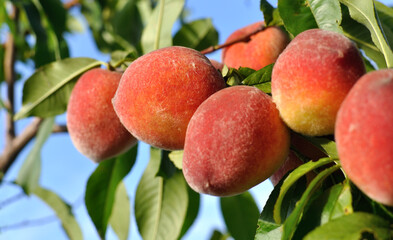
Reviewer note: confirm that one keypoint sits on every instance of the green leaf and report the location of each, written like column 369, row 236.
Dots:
column 268, row 231
column 167, row 168
column 338, row 202
column 160, row 203
column 363, row 12
column 118, row 58
column 240, row 214
column 158, row 32
column 30, row 171
column 291, row 179
column 296, row 15
column 120, row 217
column 327, row 14
column 63, row 212
column 290, row 224
column 177, row 158
column 192, row 210
column 261, row 79
column 361, row 36
column 385, row 16
column 199, row 34
column 355, row 226
column 46, row 92
column 101, row 188
column 267, row 10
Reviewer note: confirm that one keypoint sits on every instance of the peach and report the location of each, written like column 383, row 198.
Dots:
column 260, row 50
column 364, row 135
column 160, row 91
column 311, row 78
column 234, row 141
column 92, row 123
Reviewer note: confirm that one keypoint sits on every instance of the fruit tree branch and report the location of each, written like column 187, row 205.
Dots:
column 244, row 38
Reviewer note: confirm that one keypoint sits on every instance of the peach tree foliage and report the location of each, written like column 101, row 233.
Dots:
column 327, row 207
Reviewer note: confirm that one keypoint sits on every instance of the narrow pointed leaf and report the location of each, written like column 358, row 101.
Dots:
column 363, row 12
column 160, row 203
column 46, row 92
column 101, row 188
column 192, row 210
column 291, row 179
column 290, row 224
column 177, row 158
column 241, row 214
column 30, row 171
column 63, row 212
column 120, row 217
column 158, row 32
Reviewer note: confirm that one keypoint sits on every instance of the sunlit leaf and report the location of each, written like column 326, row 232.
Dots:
column 101, row 188
column 199, row 34
column 260, row 79
column 177, row 158
column 296, row 15
column 160, row 203
column 354, row 226
column 120, row 217
column 30, row 171
column 46, row 92
column 63, row 212
column 327, row 14
column 363, row 12
column 241, row 214
column 158, row 32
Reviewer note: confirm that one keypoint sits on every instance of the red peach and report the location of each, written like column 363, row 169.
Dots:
column 311, row 78
column 217, row 64
column 93, row 125
column 160, row 91
column 364, row 135
column 261, row 50
column 234, row 141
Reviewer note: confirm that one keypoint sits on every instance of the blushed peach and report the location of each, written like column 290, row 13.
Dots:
column 93, row 125
column 260, row 50
column 364, row 135
column 311, row 78
column 234, row 141
column 160, row 91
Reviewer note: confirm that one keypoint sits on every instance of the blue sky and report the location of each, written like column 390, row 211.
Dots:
column 65, row 170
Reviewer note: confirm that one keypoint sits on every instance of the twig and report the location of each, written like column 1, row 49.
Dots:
column 10, row 153
column 245, row 38
column 30, row 223
column 11, row 199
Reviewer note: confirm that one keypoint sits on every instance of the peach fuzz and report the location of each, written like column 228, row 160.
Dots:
column 260, row 50
column 234, row 141
column 93, row 125
column 364, row 135
column 160, row 91
column 311, row 78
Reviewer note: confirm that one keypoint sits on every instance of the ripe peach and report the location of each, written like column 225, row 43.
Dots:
column 262, row 48
column 93, row 125
column 311, row 78
column 234, row 141
column 159, row 92
column 364, row 135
